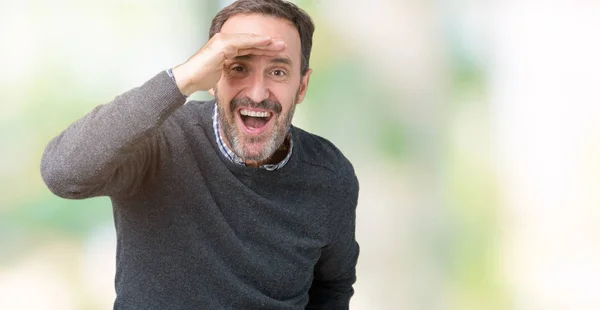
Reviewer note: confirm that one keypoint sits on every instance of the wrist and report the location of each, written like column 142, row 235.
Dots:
column 183, row 81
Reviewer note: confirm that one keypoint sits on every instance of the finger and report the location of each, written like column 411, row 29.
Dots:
column 248, row 40
column 275, row 45
column 257, row 52
column 244, row 41
column 272, row 49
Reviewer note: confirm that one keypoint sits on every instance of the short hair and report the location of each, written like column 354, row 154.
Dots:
column 275, row 8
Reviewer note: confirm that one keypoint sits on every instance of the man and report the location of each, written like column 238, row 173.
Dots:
column 220, row 204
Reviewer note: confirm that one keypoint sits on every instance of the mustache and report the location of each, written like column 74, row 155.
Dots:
column 266, row 104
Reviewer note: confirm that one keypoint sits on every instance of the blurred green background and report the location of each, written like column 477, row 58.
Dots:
column 472, row 126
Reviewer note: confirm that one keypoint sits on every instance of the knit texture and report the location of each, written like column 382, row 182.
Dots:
column 195, row 230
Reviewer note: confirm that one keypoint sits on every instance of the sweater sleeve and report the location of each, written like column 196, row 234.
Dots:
column 335, row 271
column 115, row 147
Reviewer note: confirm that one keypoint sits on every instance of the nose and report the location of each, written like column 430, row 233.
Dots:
column 258, row 91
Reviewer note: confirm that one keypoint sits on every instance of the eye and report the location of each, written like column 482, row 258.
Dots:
column 279, row 73
column 237, row 68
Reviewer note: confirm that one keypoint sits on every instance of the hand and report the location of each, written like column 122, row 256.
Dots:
column 203, row 70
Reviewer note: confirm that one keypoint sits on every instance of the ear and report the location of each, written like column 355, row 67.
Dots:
column 303, row 86
column 212, row 91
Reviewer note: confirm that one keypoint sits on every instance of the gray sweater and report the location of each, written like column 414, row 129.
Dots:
column 197, row 231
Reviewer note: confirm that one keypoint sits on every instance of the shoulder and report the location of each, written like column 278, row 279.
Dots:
column 188, row 123
column 192, row 116
column 334, row 174
column 195, row 110
column 322, row 154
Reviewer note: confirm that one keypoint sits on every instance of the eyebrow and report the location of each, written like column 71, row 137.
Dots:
column 282, row 60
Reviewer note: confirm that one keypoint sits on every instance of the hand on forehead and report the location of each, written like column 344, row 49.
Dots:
column 276, row 28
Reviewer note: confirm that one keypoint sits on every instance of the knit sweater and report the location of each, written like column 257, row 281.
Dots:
column 197, row 231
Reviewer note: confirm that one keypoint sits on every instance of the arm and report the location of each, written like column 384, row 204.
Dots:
column 335, row 272
column 113, row 148
column 117, row 147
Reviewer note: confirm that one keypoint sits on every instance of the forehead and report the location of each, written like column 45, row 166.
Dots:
column 276, row 28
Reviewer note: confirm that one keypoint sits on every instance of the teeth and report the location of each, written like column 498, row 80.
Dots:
column 254, row 113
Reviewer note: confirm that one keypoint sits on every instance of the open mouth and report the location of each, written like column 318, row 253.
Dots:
column 254, row 121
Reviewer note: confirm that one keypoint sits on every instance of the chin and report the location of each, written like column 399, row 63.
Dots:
column 255, row 153
column 258, row 151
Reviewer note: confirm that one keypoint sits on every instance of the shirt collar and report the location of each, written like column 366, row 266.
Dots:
column 229, row 154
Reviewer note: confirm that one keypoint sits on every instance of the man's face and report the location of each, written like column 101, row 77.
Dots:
column 256, row 95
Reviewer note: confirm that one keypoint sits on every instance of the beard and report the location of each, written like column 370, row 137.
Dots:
column 241, row 143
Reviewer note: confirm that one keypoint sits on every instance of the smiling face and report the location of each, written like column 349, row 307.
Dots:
column 256, row 95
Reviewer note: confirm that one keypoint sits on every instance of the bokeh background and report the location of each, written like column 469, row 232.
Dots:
column 473, row 126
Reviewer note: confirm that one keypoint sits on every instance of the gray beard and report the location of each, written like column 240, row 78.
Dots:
column 237, row 140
